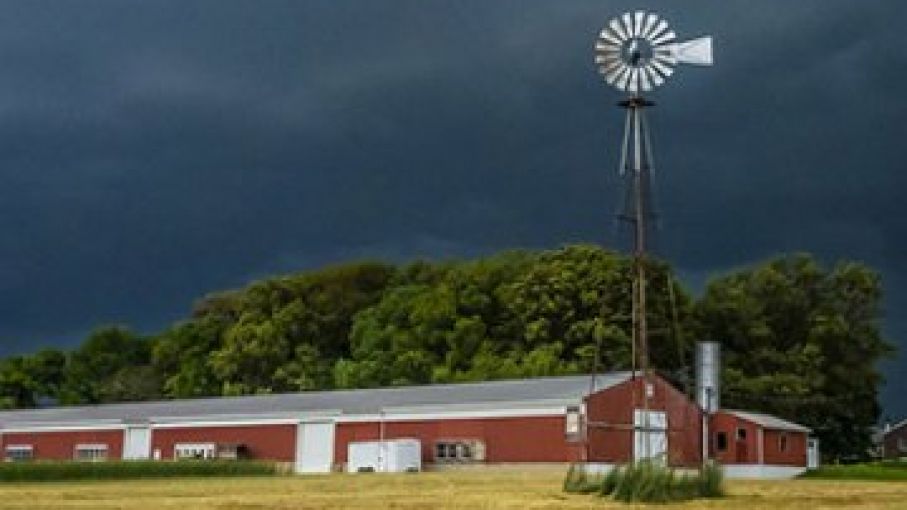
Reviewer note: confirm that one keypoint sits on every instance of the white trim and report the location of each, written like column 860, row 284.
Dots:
column 455, row 415
column 91, row 446
column 74, row 427
column 225, row 423
column 762, row 471
column 19, row 447
column 409, row 413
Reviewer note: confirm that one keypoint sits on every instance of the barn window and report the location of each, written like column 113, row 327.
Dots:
column 184, row 451
column 573, row 424
column 448, row 451
column 90, row 452
column 782, row 442
column 741, row 434
column 16, row 452
column 721, row 441
column 902, row 444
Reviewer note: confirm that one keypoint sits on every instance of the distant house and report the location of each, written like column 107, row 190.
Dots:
column 894, row 441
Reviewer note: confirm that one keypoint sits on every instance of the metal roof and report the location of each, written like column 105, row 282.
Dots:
column 768, row 421
column 463, row 396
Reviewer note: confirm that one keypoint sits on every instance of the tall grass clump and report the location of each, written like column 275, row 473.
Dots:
column 648, row 482
column 578, row 481
column 42, row 471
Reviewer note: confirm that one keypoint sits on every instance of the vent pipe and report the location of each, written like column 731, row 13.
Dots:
column 708, row 376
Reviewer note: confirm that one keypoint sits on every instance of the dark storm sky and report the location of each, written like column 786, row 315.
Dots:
column 152, row 151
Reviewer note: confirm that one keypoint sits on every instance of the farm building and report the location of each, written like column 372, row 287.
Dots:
column 893, row 441
column 529, row 421
column 755, row 445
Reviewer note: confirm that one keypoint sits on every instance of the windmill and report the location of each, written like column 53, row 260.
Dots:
column 636, row 53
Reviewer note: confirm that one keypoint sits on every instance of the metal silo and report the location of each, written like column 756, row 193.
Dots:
column 708, row 376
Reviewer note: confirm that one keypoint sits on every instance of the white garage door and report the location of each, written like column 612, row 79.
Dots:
column 315, row 447
column 136, row 443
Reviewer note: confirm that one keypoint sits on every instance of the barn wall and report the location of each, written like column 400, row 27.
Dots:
column 737, row 452
column 747, row 452
column 610, row 415
column 61, row 445
column 795, row 455
column 523, row 439
column 267, row 442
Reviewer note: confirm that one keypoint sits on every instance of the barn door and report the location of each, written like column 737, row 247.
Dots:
column 136, row 443
column 654, row 444
column 315, row 447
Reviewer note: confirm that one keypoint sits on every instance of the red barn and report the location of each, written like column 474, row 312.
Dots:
column 754, row 445
column 555, row 420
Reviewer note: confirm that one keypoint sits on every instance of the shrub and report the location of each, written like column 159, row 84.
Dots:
column 41, row 471
column 647, row 482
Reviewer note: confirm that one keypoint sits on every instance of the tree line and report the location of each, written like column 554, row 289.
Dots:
column 800, row 340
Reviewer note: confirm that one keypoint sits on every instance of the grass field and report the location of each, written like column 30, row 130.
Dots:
column 452, row 490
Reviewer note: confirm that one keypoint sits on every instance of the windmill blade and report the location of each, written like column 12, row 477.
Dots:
column 696, row 52
column 609, row 36
column 628, row 24
column 606, row 47
column 633, row 82
column 615, row 73
column 618, row 29
column 605, row 58
column 658, row 30
column 607, row 67
column 623, row 78
column 644, row 82
column 654, row 75
column 650, row 24
column 664, row 38
column 640, row 17
column 666, row 58
column 662, row 69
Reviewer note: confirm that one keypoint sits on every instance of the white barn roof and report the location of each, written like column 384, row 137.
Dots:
column 768, row 421
column 494, row 395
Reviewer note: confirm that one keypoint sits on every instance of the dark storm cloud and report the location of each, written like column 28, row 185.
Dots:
column 154, row 151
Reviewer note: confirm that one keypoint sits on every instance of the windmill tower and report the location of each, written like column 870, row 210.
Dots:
column 636, row 53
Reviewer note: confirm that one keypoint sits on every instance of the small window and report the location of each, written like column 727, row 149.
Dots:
column 90, row 452
column 721, row 441
column 782, row 443
column 18, row 452
column 741, row 434
column 188, row 451
column 573, row 424
column 459, row 451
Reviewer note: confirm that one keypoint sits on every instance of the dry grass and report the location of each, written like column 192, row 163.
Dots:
column 452, row 490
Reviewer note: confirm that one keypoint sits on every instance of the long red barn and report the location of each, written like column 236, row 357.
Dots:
column 558, row 420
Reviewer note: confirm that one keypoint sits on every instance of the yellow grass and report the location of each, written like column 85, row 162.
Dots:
column 450, row 490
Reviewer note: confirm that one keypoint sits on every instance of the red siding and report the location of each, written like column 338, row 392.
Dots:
column 523, row 439
column 61, row 445
column 794, row 455
column 747, row 451
column 269, row 442
column 610, row 414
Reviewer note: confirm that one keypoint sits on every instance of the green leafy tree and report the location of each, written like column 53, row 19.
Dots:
column 91, row 368
column 802, row 342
